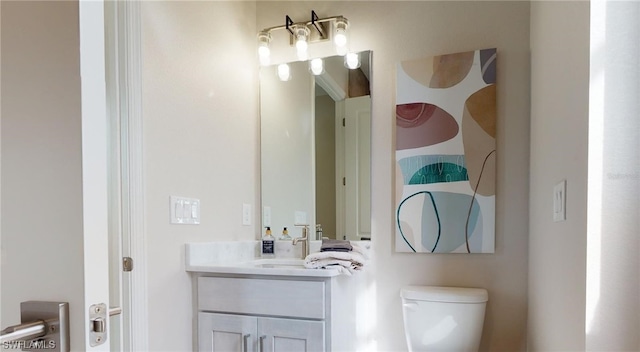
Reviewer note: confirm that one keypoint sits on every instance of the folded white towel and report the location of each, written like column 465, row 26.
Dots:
column 361, row 247
column 346, row 262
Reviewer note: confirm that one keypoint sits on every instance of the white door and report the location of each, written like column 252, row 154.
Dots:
column 357, row 142
column 53, row 160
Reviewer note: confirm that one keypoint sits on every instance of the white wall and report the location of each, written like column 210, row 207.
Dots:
column 396, row 31
column 201, row 140
column 613, row 264
column 559, row 125
column 42, row 205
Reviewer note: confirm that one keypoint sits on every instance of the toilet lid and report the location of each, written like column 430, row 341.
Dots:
column 445, row 294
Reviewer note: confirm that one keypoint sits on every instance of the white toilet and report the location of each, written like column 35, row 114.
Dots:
column 443, row 318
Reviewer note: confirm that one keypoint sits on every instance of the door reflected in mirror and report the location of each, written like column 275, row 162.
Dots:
column 316, row 150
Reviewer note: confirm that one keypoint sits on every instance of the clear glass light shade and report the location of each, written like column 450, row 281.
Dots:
column 284, row 72
column 316, row 66
column 301, row 33
column 340, row 35
column 301, row 44
column 352, row 61
column 341, row 38
column 264, row 53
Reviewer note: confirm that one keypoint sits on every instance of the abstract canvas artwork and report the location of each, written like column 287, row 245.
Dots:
column 446, row 153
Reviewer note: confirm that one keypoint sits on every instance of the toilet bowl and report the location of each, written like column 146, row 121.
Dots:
column 443, row 318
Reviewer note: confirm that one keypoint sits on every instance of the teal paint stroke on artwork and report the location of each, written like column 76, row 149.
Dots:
column 439, row 173
column 426, row 169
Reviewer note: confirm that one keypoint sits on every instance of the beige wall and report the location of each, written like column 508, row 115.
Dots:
column 559, row 125
column 201, row 140
column 396, row 31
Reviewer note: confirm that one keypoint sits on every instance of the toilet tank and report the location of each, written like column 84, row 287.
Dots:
column 443, row 318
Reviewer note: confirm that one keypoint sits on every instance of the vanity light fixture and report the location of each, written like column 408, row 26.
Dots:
column 264, row 53
column 304, row 33
column 340, row 35
column 301, row 34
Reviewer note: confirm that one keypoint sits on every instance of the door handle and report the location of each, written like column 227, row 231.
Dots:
column 24, row 331
column 245, row 342
column 115, row 311
column 44, row 325
column 261, row 343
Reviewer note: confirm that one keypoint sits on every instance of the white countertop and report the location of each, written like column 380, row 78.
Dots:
column 240, row 258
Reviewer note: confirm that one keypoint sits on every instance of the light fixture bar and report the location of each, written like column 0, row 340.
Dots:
column 318, row 25
column 300, row 34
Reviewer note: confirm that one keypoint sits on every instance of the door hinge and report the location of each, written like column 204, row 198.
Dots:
column 127, row 264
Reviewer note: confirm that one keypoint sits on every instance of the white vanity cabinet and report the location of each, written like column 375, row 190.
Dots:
column 231, row 332
column 243, row 303
column 263, row 313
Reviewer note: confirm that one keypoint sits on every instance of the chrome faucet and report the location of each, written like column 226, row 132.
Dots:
column 304, row 239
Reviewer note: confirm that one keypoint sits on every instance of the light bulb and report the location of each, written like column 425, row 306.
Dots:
column 301, row 33
column 316, row 66
column 301, row 44
column 352, row 61
column 340, row 35
column 284, row 73
column 264, row 54
column 264, row 38
column 301, row 48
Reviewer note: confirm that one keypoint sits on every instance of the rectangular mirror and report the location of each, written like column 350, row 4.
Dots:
column 316, row 149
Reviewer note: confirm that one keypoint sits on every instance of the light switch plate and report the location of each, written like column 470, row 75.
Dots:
column 185, row 211
column 560, row 201
column 246, row 214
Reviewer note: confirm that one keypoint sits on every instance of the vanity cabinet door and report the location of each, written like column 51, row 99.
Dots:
column 226, row 332
column 286, row 335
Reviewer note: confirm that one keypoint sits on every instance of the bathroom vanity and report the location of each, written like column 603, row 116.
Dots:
column 265, row 305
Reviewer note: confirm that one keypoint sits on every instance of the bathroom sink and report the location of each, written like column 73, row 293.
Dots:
column 278, row 263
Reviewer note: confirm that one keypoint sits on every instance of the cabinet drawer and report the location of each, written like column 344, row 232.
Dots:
column 286, row 298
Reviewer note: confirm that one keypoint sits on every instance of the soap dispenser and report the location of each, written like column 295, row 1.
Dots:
column 285, row 235
column 268, row 244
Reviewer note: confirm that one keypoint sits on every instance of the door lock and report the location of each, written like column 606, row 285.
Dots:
column 97, row 324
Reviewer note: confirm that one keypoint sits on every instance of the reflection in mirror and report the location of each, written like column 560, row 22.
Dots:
column 315, row 150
